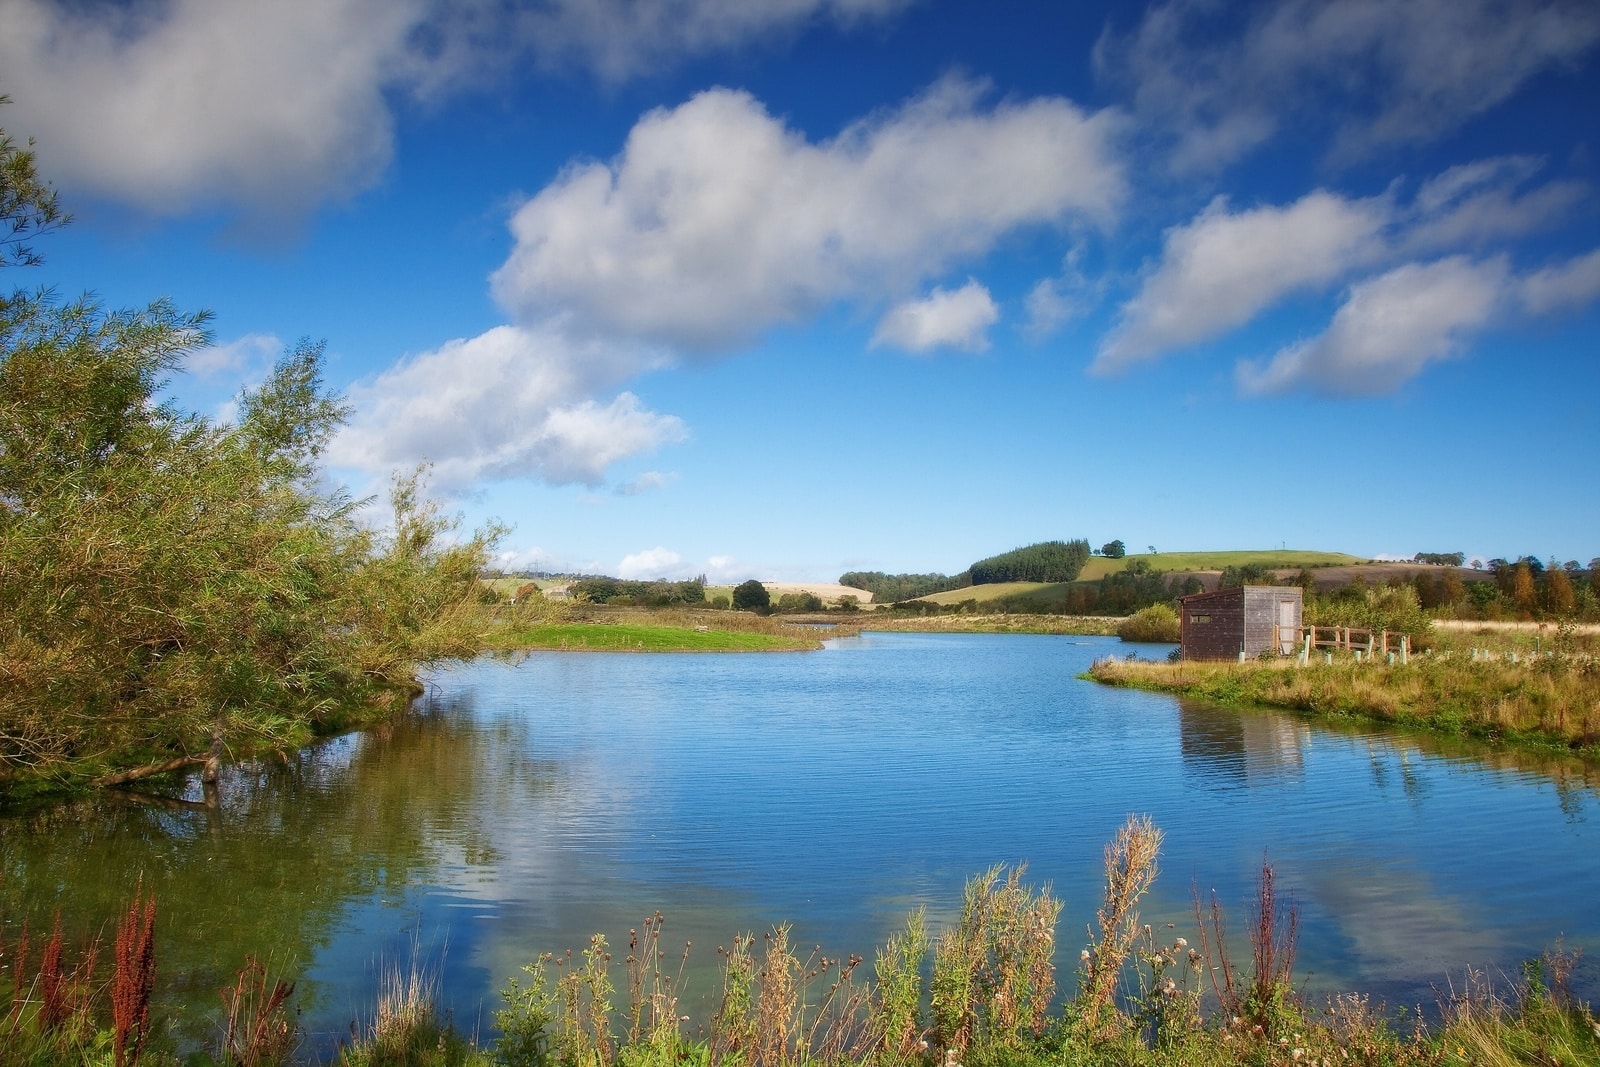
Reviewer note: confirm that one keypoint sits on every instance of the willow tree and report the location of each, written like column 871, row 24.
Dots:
column 172, row 585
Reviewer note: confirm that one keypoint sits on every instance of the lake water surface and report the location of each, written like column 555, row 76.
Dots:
column 527, row 805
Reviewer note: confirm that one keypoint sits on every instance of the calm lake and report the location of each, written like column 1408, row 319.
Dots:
column 527, row 805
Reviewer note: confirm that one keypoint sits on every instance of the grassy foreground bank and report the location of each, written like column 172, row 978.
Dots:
column 1550, row 701
column 982, row 991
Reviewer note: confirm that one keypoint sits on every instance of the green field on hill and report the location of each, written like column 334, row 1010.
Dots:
column 1098, row 567
column 1039, row 591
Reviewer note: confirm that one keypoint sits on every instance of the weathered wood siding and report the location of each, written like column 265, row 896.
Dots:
column 1223, row 624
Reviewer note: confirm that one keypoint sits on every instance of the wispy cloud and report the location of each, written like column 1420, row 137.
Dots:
column 622, row 39
column 244, row 357
column 647, row 482
column 1388, row 329
column 1564, row 286
column 1222, row 269
column 1222, row 79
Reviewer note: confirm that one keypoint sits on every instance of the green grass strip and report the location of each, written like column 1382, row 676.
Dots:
column 605, row 637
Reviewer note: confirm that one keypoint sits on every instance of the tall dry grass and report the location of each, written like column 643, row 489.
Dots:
column 994, row 971
column 1130, row 866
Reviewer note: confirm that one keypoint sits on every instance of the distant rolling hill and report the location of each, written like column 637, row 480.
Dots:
column 1045, row 596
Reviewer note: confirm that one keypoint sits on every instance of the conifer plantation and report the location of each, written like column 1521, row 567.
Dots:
column 176, row 587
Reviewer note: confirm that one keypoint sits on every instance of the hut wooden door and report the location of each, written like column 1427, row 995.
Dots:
column 1288, row 628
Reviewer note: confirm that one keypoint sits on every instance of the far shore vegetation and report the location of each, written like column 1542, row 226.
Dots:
column 980, row 988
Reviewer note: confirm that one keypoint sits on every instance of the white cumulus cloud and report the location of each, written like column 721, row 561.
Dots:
column 271, row 106
column 946, row 318
column 509, row 403
column 653, row 564
column 1388, row 329
column 717, row 221
column 267, row 109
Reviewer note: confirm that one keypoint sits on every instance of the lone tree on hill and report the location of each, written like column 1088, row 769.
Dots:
column 1114, row 550
column 751, row 596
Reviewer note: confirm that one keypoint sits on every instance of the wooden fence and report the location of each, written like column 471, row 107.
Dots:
column 1366, row 644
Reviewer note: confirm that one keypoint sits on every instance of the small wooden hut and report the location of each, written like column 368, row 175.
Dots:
column 1241, row 623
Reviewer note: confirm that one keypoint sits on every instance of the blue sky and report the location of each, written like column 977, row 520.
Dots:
column 789, row 288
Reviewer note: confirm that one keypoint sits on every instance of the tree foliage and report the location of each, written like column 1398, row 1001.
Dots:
column 799, row 602
column 169, row 578
column 889, row 588
column 1234, row 576
column 28, row 206
column 1114, row 549
column 1048, row 561
column 603, row 590
column 751, row 596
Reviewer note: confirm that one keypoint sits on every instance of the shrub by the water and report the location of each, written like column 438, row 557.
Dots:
column 1158, row 622
column 751, row 596
column 177, row 586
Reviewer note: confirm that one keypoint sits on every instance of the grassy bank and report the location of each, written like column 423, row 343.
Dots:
column 1549, row 701
column 590, row 629
column 613, row 637
column 982, row 990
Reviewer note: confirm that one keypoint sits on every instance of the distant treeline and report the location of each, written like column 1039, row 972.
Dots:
column 1048, row 561
column 603, row 590
column 889, row 588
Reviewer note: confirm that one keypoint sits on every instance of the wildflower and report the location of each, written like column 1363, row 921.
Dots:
column 1182, row 942
column 1084, row 956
